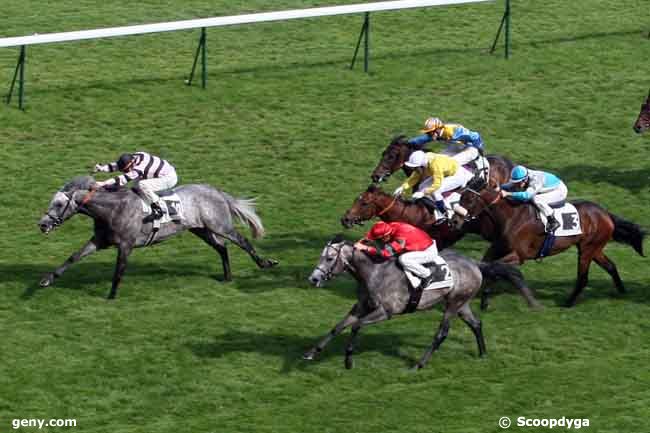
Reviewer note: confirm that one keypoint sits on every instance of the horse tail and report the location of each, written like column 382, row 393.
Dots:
column 502, row 271
column 629, row 233
column 244, row 210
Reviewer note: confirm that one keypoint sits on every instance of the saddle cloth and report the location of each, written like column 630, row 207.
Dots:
column 568, row 217
column 441, row 273
column 451, row 198
column 171, row 204
column 480, row 166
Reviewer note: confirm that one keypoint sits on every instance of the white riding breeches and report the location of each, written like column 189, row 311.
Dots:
column 466, row 156
column 149, row 187
column 449, row 183
column 543, row 200
column 413, row 260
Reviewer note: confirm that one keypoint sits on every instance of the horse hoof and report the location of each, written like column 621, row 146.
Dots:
column 309, row 356
column 415, row 368
column 270, row 263
column 349, row 363
column 47, row 280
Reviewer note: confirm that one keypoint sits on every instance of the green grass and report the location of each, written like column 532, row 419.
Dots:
column 284, row 120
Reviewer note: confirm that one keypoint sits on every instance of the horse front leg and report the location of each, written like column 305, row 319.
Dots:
column 349, row 348
column 513, row 258
column 123, row 252
column 90, row 247
column 349, row 319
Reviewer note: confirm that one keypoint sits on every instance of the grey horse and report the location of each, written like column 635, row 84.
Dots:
column 207, row 212
column 383, row 292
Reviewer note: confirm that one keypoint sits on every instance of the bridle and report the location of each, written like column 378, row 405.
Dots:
column 387, row 208
column 329, row 273
column 58, row 219
column 486, row 205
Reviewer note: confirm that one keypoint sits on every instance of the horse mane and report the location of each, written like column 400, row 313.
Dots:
column 399, row 140
column 79, row 183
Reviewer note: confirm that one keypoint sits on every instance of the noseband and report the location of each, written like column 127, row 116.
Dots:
column 58, row 219
column 329, row 273
column 486, row 205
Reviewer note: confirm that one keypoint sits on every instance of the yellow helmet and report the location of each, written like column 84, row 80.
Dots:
column 432, row 124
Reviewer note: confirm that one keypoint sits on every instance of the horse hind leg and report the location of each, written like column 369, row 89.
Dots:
column 608, row 265
column 215, row 242
column 475, row 325
column 241, row 241
column 584, row 260
column 440, row 336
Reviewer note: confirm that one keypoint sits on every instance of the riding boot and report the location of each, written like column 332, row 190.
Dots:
column 552, row 224
column 429, row 204
column 156, row 213
column 426, row 281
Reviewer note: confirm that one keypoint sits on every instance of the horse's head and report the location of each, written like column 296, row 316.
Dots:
column 365, row 207
column 392, row 159
column 333, row 260
column 643, row 121
column 475, row 198
column 63, row 204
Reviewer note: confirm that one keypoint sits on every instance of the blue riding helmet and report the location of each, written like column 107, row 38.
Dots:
column 519, row 174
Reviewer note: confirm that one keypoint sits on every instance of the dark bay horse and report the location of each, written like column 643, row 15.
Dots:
column 516, row 235
column 375, row 203
column 207, row 212
column 643, row 121
column 383, row 292
column 399, row 150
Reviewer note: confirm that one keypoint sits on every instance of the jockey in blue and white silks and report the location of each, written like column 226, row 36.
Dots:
column 539, row 187
column 463, row 144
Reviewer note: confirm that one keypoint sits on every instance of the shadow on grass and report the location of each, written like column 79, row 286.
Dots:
column 246, row 277
column 343, row 62
column 600, row 288
column 632, row 180
column 291, row 347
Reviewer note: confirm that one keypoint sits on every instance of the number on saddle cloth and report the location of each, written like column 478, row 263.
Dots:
column 441, row 274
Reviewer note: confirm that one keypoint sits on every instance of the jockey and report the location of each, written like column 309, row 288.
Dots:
column 436, row 174
column 153, row 174
column 540, row 187
column 413, row 246
column 465, row 145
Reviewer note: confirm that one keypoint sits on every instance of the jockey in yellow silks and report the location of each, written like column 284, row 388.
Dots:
column 436, row 174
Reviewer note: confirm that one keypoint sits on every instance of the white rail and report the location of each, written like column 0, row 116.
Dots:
column 225, row 21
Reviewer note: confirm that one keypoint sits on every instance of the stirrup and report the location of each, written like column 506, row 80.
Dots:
column 551, row 225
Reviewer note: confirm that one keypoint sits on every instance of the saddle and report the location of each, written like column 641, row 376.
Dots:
column 568, row 217
column 171, row 206
column 441, row 279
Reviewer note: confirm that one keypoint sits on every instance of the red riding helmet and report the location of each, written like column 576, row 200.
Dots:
column 380, row 229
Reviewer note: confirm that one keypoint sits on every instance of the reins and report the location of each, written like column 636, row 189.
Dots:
column 392, row 203
column 88, row 196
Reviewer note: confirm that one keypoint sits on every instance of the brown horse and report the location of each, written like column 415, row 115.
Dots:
column 643, row 121
column 517, row 235
column 399, row 150
column 375, row 203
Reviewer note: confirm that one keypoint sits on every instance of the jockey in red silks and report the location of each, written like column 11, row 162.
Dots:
column 412, row 246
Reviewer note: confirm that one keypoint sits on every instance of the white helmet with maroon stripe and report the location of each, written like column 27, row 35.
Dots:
column 417, row 159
